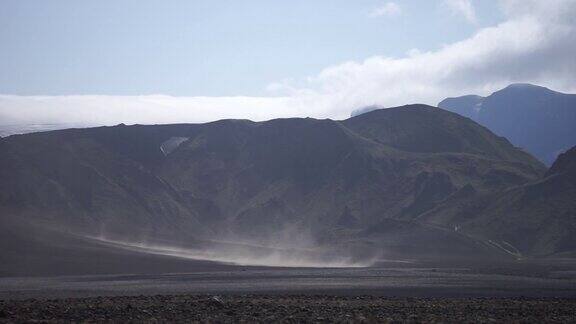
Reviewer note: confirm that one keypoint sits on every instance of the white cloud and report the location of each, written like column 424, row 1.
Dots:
column 535, row 44
column 463, row 8
column 109, row 110
column 390, row 9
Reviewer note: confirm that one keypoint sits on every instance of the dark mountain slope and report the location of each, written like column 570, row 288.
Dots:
column 83, row 181
column 538, row 218
column 31, row 250
column 535, row 118
column 307, row 171
column 564, row 164
column 286, row 183
column 419, row 128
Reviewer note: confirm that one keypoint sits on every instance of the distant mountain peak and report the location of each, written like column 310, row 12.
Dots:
column 524, row 86
column 365, row 109
column 533, row 117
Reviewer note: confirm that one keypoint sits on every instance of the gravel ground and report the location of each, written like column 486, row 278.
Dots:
column 288, row 308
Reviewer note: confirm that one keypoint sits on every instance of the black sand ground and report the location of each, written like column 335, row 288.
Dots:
column 527, row 292
column 537, row 279
column 290, row 308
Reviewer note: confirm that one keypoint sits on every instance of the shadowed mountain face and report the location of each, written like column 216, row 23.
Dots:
column 537, row 218
column 537, row 119
column 335, row 191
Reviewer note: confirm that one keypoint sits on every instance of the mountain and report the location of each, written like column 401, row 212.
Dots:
column 535, row 118
column 297, row 191
column 536, row 218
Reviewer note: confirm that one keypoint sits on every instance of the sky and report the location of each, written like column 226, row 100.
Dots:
column 111, row 61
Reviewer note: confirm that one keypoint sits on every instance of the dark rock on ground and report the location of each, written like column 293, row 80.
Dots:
column 290, row 309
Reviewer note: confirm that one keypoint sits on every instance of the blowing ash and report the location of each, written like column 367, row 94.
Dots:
column 288, row 248
column 246, row 256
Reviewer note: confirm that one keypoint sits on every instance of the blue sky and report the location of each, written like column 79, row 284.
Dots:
column 207, row 47
column 125, row 61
